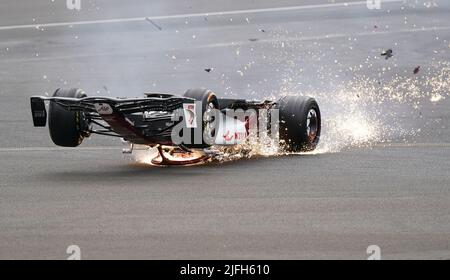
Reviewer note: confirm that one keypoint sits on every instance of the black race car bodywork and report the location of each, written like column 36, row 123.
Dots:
column 152, row 119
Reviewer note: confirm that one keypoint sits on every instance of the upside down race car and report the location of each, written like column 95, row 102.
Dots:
column 182, row 128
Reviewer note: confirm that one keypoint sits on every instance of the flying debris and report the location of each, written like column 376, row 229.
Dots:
column 416, row 70
column 208, row 70
column 262, row 30
column 253, row 39
column 154, row 24
column 387, row 53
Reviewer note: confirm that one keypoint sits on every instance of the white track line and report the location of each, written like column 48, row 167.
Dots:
column 413, row 145
column 57, row 149
column 112, row 148
column 329, row 36
column 246, row 42
column 184, row 16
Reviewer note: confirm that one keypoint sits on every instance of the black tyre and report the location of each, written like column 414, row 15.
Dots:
column 209, row 101
column 300, row 123
column 67, row 129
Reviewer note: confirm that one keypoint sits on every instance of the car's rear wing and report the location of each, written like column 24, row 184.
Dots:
column 93, row 105
column 38, row 111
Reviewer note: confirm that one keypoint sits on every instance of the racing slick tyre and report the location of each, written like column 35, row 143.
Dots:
column 67, row 128
column 209, row 102
column 300, row 123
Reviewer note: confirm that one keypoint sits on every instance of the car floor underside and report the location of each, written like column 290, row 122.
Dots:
column 145, row 121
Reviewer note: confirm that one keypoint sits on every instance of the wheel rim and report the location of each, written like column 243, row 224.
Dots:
column 312, row 125
column 209, row 119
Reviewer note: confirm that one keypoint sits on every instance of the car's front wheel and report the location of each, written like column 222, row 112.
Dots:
column 300, row 123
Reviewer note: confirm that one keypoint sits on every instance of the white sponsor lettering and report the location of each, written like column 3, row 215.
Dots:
column 190, row 115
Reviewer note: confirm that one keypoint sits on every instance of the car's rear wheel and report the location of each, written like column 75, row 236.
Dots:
column 300, row 123
column 209, row 103
column 67, row 128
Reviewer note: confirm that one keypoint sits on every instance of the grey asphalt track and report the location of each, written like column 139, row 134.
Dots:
column 392, row 191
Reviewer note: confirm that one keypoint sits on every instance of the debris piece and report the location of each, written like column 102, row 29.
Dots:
column 387, row 53
column 262, row 30
column 416, row 70
column 153, row 23
column 253, row 39
column 208, row 70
